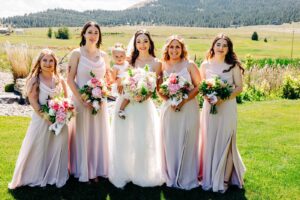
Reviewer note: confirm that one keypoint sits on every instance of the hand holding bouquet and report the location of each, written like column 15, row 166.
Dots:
column 139, row 83
column 176, row 88
column 94, row 92
column 215, row 88
column 59, row 111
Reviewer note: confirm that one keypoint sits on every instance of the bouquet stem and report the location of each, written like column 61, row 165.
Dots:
column 213, row 109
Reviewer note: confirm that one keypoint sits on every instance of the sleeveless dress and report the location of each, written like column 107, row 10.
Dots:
column 122, row 70
column 218, row 130
column 43, row 157
column 180, row 132
column 135, row 152
column 88, row 138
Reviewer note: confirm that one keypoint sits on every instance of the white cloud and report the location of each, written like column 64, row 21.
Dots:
column 20, row 7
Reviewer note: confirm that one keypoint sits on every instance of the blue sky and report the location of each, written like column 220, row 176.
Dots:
column 20, row 7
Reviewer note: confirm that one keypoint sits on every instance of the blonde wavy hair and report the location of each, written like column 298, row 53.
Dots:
column 184, row 53
column 33, row 77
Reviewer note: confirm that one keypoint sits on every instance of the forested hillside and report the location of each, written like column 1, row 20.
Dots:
column 204, row 13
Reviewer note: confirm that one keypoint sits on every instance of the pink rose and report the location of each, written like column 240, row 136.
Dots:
column 55, row 106
column 173, row 78
column 94, row 81
column 65, row 104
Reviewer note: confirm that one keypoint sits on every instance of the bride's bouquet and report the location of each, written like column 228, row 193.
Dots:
column 215, row 88
column 176, row 88
column 59, row 111
column 139, row 83
column 94, row 92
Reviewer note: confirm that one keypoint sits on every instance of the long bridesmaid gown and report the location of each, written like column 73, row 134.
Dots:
column 43, row 158
column 180, row 132
column 88, row 138
column 218, row 132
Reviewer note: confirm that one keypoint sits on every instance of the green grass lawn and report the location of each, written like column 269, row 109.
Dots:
column 268, row 140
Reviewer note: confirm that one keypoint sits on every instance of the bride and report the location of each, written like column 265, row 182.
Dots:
column 135, row 151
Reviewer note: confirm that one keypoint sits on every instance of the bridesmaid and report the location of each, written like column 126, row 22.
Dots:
column 43, row 158
column 221, row 162
column 180, row 124
column 88, row 139
column 134, row 148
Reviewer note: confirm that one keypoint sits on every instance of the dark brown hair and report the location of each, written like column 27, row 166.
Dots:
column 83, row 31
column 135, row 52
column 230, row 58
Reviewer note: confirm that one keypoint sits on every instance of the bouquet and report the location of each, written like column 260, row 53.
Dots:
column 59, row 111
column 215, row 88
column 176, row 88
column 94, row 92
column 139, row 83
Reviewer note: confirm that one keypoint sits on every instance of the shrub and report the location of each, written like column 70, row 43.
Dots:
column 291, row 87
column 9, row 87
column 249, row 61
column 62, row 33
column 251, row 94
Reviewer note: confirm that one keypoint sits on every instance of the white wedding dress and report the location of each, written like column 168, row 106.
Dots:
column 135, row 146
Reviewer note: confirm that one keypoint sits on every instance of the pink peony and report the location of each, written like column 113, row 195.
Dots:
column 173, row 88
column 96, row 92
column 60, row 117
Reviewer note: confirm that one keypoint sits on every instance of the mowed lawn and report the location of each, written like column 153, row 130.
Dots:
column 268, row 140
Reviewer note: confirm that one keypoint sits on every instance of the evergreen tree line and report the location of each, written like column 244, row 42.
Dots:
column 203, row 13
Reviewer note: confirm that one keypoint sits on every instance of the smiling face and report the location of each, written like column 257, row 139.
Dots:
column 175, row 50
column 47, row 63
column 119, row 57
column 221, row 47
column 142, row 43
column 92, row 35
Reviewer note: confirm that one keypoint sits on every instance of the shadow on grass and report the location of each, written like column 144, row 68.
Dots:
column 105, row 190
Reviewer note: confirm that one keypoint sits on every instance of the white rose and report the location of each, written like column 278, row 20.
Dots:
column 51, row 112
column 96, row 105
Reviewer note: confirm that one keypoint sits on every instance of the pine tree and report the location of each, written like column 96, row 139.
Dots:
column 49, row 34
column 254, row 36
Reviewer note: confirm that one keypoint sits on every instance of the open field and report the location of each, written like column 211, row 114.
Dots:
column 279, row 38
column 268, row 140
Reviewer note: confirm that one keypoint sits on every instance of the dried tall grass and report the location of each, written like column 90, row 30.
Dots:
column 20, row 58
column 268, row 79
